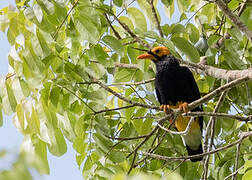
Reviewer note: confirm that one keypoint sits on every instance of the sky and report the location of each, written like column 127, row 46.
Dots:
column 64, row 167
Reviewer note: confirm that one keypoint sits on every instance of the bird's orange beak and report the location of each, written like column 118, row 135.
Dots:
column 145, row 56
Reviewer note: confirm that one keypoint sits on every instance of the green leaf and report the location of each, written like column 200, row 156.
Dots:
column 124, row 75
column 127, row 21
column 11, row 96
column 137, row 18
column 117, row 157
column 114, row 44
column 118, row 2
column 246, row 17
column 183, row 45
column 146, row 8
column 96, row 70
column 1, row 116
column 38, row 12
column 166, row 29
column 167, row 3
column 87, row 29
column 169, row 10
column 193, row 33
column 247, row 175
column 58, row 146
column 178, row 28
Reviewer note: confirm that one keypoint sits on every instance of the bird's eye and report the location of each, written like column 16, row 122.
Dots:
column 157, row 51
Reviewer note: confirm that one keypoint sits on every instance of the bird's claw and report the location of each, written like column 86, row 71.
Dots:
column 164, row 107
column 184, row 107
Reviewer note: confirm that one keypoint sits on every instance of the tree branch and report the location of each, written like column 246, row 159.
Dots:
column 228, row 75
column 114, row 109
column 123, row 98
column 165, row 158
column 156, row 18
column 133, row 83
column 223, row 115
column 113, row 29
column 133, row 35
column 234, row 18
column 212, row 122
column 230, row 175
column 236, row 160
column 178, row 132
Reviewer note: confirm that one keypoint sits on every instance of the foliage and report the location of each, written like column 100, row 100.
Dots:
column 62, row 48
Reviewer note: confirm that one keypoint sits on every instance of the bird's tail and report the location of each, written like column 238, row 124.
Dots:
column 194, row 152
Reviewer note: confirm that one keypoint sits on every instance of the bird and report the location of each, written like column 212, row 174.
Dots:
column 176, row 87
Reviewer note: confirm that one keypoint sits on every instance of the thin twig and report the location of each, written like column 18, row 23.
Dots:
column 123, row 98
column 196, row 12
column 248, row 93
column 73, row 93
column 133, row 83
column 179, row 132
column 126, row 138
column 150, row 134
column 69, row 12
column 212, row 122
column 113, row 29
column 165, row 158
column 224, row 115
column 230, row 175
column 156, row 18
column 132, row 163
column 132, row 34
column 236, row 160
column 114, row 109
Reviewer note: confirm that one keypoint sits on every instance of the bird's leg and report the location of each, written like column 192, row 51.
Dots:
column 184, row 107
column 164, row 107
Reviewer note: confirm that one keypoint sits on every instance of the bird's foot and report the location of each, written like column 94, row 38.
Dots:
column 165, row 107
column 184, row 107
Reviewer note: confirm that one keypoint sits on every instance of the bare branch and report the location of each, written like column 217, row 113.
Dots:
column 115, row 109
column 156, row 18
column 150, row 134
column 165, row 158
column 74, row 93
column 230, row 175
column 132, row 34
column 133, row 83
column 234, row 18
column 212, row 122
column 238, row 146
column 223, row 115
column 179, row 132
column 128, row 66
column 123, row 98
column 113, row 29
column 216, row 91
column 126, row 138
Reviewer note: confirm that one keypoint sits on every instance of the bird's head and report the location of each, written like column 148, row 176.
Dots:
column 155, row 54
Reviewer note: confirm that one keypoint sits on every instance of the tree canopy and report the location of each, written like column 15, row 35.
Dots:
column 74, row 77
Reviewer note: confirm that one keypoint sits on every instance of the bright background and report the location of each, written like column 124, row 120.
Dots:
column 64, row 167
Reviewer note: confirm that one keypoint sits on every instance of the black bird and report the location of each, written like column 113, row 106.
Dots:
column 175, row 88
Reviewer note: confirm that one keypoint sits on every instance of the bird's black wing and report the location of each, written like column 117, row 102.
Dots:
column 158, row 96
column 192, row 91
